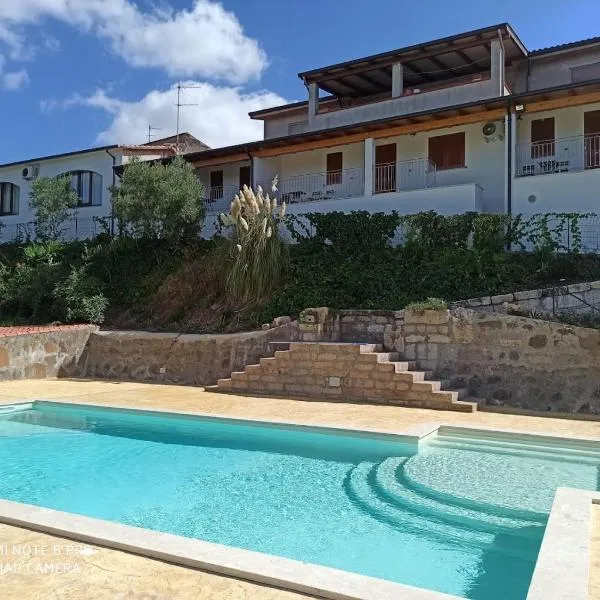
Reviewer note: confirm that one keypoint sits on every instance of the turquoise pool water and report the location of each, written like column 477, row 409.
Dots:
column 464, row 515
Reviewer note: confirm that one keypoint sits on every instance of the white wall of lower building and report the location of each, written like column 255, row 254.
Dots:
column 98, row 162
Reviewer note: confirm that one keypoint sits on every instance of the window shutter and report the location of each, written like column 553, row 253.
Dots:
column 448, row 151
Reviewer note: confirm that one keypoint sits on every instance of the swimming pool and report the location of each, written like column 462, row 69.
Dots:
column 462, row 512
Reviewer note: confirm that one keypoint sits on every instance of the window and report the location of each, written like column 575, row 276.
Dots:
column 88, row 186
column 542, row 137
column 448, row 151
column 245, row 178
column 9, row 198
column 334, row 168
column 216, row 185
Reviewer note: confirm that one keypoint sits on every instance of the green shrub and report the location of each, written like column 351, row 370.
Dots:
column 428, row 304
column 79, row 298
column 159, row 201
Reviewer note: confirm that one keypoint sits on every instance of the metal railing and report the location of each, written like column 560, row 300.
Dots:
column 345, row 183
column 217, row 199
column 74, row 228
column 563, row 155
column 414, row 174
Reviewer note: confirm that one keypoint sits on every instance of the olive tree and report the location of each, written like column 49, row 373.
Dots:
column 51, row 199
column 158, row 200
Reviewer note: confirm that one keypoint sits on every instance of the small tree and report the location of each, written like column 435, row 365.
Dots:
column 159, row 201
column 51, row 199
column 258, row 256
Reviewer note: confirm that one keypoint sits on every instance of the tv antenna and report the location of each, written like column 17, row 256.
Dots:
column 179, row 105
column 150, row 130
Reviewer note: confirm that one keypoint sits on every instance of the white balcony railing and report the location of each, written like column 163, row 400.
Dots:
column 562, row 155
column 415, row 174
column 346, row 183
column 217, row 199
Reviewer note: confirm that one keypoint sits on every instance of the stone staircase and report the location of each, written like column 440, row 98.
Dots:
column 346, row 372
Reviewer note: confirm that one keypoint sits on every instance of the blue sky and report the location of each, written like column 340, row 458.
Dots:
column 78, row 73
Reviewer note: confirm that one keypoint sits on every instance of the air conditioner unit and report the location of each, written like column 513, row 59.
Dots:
column 491, row 133
column 30, row 172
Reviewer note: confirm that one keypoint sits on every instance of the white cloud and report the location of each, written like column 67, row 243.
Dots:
column 14, row 80
column 219, row 117
column 205, row 40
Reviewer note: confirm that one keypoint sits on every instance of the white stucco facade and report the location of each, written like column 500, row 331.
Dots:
column 99, row 162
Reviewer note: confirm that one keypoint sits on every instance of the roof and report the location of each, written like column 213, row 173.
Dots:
column 263, row 112
column 567, row 46
column 462, row 54
column 185, row 139
column 62, row 155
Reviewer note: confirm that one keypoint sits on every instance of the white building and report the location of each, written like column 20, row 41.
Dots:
column 92, row 173
column 472, row 122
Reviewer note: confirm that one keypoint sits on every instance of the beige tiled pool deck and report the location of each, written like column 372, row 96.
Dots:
column 106, row 574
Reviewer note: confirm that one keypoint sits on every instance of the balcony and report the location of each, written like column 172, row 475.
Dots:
column 405, row 175
column 333, row 185
column 563, row 155
column 217, row 199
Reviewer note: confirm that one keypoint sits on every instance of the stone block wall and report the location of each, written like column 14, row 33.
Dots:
column 366, row 326
column 509, row 361
column 36, row 353
column 177, row 358
column 577, row 296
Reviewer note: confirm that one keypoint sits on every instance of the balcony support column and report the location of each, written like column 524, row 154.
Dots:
column 497, row 69
column 397, row 80
column 369, row 165
column 313, row 101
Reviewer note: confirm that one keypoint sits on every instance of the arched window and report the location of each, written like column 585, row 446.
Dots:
column 88, row 186
column 9, row 198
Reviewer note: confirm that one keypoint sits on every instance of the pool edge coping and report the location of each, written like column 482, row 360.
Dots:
column 258, row 567
column 566, row 529
column 562, row 570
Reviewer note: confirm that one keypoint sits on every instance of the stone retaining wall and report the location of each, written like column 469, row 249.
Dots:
column 367, row 326
column 45, row 352
column 506, row 360
column 175, row 358
column 577, row 296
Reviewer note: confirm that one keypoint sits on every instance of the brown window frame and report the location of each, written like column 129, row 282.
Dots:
column 335, row 171
column 542, row 141
column 448, row 151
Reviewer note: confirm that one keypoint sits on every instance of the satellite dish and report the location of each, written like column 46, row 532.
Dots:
column 489, row 129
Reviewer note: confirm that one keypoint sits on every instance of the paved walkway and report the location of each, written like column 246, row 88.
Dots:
column 109, row 574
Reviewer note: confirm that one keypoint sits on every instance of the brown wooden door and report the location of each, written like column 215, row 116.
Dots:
column 591, row 139
column 385, row 168
column 245, row 178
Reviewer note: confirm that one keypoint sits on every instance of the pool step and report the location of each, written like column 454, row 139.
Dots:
column 420, row 519
column 532, row 448
column 344, row 372
column 389, row 481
